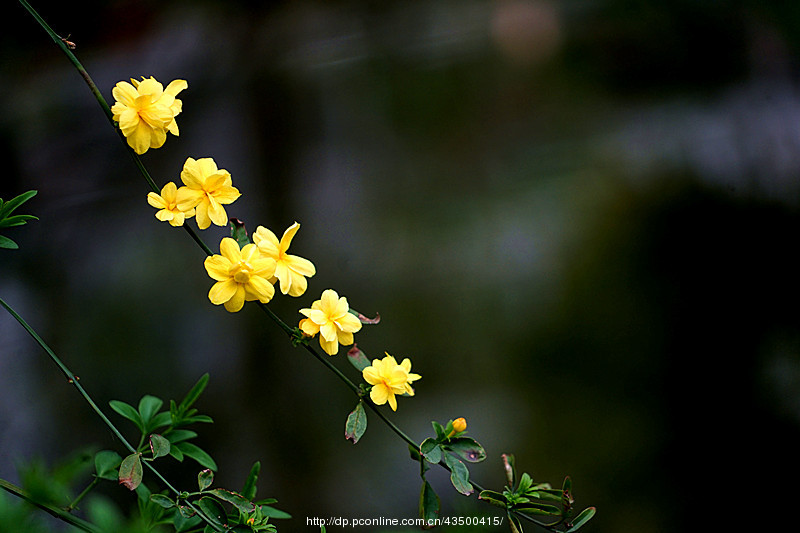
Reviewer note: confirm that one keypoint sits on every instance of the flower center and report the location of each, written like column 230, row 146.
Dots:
column 241, row 272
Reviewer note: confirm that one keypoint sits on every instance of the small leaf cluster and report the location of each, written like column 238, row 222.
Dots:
column 450, row 448
column 221, row 509
column 7, row 219
column 163, row 432
column 530, row 499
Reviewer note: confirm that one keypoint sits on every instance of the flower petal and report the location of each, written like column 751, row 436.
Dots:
column 229, row 248
column 222, row 291
column 217, row 267
column 237, row 301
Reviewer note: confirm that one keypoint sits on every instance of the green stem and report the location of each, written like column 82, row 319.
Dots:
column 57, row 512
column 143, row 170
column 74, row 503
column 72, row 379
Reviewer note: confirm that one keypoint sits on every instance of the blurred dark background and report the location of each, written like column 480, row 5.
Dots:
column 576, row 218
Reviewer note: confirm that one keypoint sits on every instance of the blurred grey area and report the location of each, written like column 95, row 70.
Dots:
column 576, row 218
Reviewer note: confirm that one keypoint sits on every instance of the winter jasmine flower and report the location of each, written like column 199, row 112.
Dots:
column 291, row 270
column 167, row 205
column 389, row 379
column 241, row 275
column 330, row 317
column 207, row 189
column 146, row 111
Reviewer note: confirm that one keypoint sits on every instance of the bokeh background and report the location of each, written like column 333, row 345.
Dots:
column 579, row 219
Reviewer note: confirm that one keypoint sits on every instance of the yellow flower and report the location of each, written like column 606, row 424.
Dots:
column 241, row 275
column 330, row 317
column 146, row 111
column 291, row 270
column 206, row 189
column 389, row 379
column 459, row 426
column 168, row 205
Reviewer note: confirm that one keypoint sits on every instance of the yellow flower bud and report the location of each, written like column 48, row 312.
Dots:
column 459, row 425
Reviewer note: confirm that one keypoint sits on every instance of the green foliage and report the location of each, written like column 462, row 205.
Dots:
column 7, row 219
column 171, row 440
column 54, row 484
column 449, row 448
column 530, row 499
column 356, row 423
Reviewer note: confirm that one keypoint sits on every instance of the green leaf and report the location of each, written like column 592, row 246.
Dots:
column 159, row 445
column 194, row 393
column 162, row 419
column 6, row 208
column 494, row 498
column 249, row 489
column 130, row 471
column 467, row 448
column 196, row 453
column 271, row 512
column 431, row 450
column 356, row 423
column 176, row 453
column 532, row 508
column 16, row 220
column 439, row 430
column 357, row 358
column 106, row 464
column 7, row 243
column 525, row 483
column 148, row 407
column 213, row 510
column 164, row 501
column 195, row 419
column 178, row 435
column 459, row 474
column 550, row 495
column 235, row 499
column 183, row 523
column 205, row 478
column 239, row 232
column 581, row 519
column 127, row 411
column 429, row 505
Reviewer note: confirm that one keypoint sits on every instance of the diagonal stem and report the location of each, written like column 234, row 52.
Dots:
column 55, row 511
column 73, row 380
column 143, row 170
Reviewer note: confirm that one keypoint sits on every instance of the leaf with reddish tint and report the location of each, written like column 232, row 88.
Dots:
column 205, row 478
column 130, row 471
column 467, row 448
column 357, row 358
column 235, row 499
column 366, row 320
column 159, row 445
column 356, row 423
column 239, row 232
column 581, row 519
